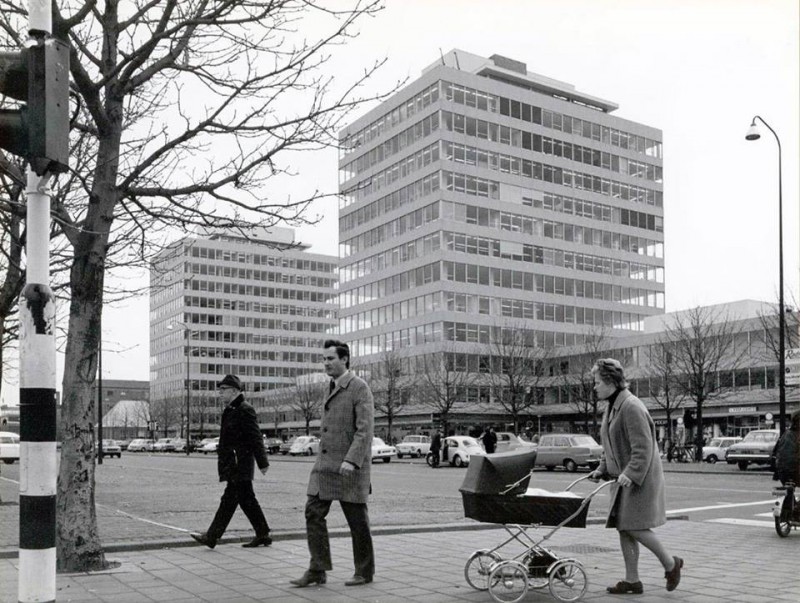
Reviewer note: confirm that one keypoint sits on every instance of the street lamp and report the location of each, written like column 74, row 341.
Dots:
column 188, row 332
column 753, row 133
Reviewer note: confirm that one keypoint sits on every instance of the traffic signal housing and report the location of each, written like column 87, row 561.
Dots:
column 39, row 129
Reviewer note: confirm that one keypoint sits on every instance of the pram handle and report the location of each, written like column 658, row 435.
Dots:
column 608, row 479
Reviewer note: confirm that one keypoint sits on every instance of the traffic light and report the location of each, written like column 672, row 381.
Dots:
column 38, row 130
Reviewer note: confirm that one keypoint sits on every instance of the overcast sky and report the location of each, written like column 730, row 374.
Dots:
column 699, row 70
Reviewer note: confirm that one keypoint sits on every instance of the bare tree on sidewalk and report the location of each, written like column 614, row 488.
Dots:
column 390, row 396
column 309, row 394
column 665, row 383
column 516, row 370
column 184, row 112
column 441, row 384
column 577, row 382
column 706, row 356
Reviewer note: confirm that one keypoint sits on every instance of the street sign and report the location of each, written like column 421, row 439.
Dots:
column 792, row 366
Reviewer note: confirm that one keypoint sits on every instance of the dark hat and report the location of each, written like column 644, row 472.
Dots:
column 230, row 381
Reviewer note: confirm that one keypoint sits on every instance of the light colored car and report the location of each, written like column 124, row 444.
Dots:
column 284, row 449
column 140, row 445
column 508, row 442
column 210, row 445
column 166, row 444
column 304, row 445
column 461, row 448
column 112, row 448
column 381, row 450
column 414, row 446
column 717, row 448
column 9, row 447
column 755, row 448
column 568, row 450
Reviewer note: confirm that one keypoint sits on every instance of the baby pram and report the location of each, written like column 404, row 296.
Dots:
column 495, row 490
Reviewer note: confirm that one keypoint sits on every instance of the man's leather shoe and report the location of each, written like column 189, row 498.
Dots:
column 204, row 539
column 674, row 575
column 310, row 577
column 626, row 588
column 357, row 580
column 258, row 541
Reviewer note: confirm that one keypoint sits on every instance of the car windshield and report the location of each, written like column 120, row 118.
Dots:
column 583, row 440
column 760, row 436
column 715, row 443
column 378, row 442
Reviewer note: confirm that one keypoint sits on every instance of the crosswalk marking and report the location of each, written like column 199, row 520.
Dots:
column 743, row 522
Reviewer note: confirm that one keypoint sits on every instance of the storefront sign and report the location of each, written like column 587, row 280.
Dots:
column 742, row 410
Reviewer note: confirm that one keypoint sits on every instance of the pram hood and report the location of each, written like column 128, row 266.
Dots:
column 493, row 473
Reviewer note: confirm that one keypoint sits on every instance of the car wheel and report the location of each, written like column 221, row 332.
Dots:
column 386, row 459
column 309, row 452
column 399, row 455
column 742, row 465
column 570, row 465
column 419, row 453
column 550, row 467
column 458, row 461
column 429, row 459
column 712, row 458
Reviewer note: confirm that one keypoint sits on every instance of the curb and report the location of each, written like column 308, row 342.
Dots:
column 121, row 547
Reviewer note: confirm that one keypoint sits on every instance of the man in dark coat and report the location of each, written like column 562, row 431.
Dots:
column 240, row 447
column 489, row 440
column 436, row 448
column 342, row 470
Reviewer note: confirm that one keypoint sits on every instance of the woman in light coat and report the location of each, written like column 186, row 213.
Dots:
column 631, row 457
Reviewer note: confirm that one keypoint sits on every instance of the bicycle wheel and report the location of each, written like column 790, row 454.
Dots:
column 508, row 582
column 478, row 567
column 783, row 528
column 568, row 581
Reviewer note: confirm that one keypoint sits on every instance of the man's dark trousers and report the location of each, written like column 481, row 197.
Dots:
column 319, row 545
column 238, row 493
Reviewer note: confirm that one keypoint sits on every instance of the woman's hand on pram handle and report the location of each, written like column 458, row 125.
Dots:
column 597, row 475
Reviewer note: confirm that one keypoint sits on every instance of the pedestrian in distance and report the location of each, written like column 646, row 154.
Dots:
column 638, row 498
column 489, row 439
column 342, row 470
column 436, row 448
column 240, row 448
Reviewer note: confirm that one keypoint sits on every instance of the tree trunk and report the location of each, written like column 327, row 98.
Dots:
column 698, row 437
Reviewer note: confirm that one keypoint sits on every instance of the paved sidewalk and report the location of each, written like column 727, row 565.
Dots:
column 723, row 563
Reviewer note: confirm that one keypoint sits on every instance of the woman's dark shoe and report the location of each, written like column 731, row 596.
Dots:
column 626, row 588
column 674, row 575
column 204, row 539
column 310, row 577
column 258, row 541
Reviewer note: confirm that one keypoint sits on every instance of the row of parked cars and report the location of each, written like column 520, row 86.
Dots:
column 755, row 448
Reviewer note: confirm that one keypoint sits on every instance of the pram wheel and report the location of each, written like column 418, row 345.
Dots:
column 478, row 567
column 537, row 561
column 568, row 581
column 508, row 582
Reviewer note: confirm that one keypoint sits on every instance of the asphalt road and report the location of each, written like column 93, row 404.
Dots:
column 162, row 496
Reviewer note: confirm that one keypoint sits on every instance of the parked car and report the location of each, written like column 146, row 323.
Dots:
column 111, row 448
column 169, row 445
column 210, row 445
column 568, row 450
column 414, row 446
column 717, row 448
column 460, row 449
column 755, row 448
column 273, row 445
column 9, row 447
column 141, row 445
column 285, row 446
column 179, row 445
column 305, row 445
column 507, row 442
column 381, row 450
column 123, row 444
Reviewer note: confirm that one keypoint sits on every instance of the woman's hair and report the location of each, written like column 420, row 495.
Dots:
column 610, row 372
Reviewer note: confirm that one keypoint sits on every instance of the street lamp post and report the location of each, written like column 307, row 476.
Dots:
column 188, row 332
column 754, row 134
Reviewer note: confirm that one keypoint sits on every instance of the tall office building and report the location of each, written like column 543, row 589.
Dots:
column 483, row 196
column 258, row 308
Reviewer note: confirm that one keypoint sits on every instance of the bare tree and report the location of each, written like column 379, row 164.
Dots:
column 440, row 386
column 577, row 380
column 770, row 323
column 665, row 383
column 149, row 156
column 390, row 395
column 168, row 412
column 516, row 370
column 309, row 396
column 706, row 357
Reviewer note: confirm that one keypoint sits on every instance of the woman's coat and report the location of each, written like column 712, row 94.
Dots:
column 630, row 446
column 345, row 435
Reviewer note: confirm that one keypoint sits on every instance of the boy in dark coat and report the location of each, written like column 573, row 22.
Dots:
column 240, row 447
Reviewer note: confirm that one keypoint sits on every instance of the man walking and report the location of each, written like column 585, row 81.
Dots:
column 436, row 448
column 240, row 447
column 489, row 438
column 342, row 470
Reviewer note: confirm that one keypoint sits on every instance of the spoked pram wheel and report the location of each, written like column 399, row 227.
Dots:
column 508, row 582
column 568, row 581
column 478, row 567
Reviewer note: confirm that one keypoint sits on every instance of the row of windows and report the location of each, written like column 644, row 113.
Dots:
column 416, row 277
column 221, row 303
column 391, row 257
column 388, row 120
column 225, row 255
column 389, row 230
column 598, row 211
column 270, row 339
column 478, row 128
column 195, row 284
column 551, row 119
column 391, row 313
column 399, row 198
column 527, row 281
column 274, row 355
column 390, row 147
column 268, row 276
column 251, row 322
column 509, row 164
column 391, row 174
column 483, row 216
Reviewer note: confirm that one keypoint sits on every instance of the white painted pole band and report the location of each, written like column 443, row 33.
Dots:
column 36, row 568
column 40, row 18
column 38, row 464
column 38, row 225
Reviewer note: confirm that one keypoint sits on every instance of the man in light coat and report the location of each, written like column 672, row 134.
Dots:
column 342, row 470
